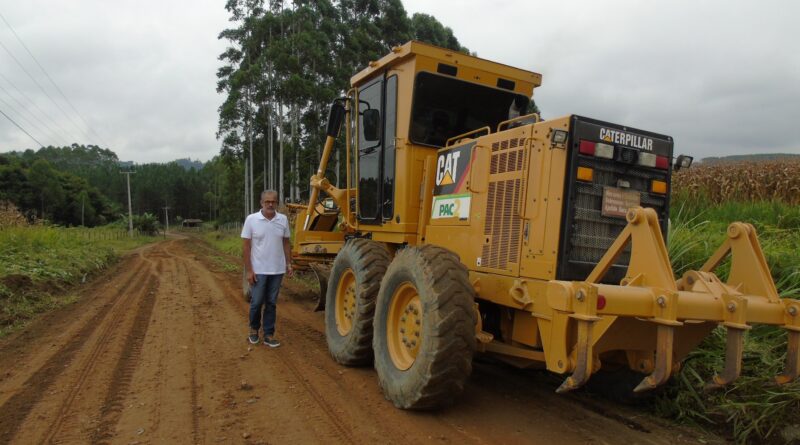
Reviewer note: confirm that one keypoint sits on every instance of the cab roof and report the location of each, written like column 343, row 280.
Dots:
column 448, row 56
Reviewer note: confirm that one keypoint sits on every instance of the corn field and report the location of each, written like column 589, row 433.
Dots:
column 741, row 182
column 10, row 216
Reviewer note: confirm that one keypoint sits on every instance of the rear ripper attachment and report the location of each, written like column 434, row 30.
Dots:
column 650, row 295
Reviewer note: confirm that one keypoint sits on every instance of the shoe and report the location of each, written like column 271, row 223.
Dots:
column 253, row 338
column 271, row 342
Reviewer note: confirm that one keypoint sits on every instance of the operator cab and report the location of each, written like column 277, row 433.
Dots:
column 408, row 103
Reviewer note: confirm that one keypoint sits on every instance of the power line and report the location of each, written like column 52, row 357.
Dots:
column 22, row 116
column 53, row 82
column 40, row 87
column 23, row 130
column 59, row 136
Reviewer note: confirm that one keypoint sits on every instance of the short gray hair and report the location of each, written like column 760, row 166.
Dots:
column 268, row 192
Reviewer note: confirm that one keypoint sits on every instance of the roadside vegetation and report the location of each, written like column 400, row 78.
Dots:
column 39, row 264
column 706, row 200
column 227, row 241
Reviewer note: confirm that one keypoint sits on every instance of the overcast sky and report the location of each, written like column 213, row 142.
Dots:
column 721, row 77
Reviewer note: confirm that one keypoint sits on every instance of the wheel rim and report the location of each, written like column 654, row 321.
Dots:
column 404, row 326
column 345, row 302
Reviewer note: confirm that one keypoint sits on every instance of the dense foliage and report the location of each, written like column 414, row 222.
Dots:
column 83, row 185
column 45, row 190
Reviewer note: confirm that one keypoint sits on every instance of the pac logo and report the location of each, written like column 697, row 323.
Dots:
column 449, row 209
column 451, row 206
column 447, row 168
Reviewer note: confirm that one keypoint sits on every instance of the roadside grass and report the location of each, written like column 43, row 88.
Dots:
column 752, row 409
column 225, row 241
column 38, row 264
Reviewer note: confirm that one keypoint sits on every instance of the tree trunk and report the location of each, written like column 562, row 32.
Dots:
column 280, row 155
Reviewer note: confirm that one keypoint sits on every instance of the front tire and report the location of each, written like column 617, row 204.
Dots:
column 424, row 328
column 350, row 300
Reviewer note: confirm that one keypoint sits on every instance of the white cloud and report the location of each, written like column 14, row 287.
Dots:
column 142, row 73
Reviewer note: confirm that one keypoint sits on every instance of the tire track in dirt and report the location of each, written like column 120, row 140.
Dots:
column 123, row 372
column 16, row 409
column 338, row 431
column 344, row 432
column 119, row 312
column 331, row 417
column 193, row 361
column 186, row 264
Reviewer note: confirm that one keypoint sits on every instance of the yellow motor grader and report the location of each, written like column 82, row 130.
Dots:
column 469, row 227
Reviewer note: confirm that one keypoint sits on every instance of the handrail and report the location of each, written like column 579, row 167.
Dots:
column 455, row 139
column 536, row 118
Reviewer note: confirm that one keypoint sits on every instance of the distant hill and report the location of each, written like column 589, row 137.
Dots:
column 756, row 157
column 189, row 164
column 186, row 163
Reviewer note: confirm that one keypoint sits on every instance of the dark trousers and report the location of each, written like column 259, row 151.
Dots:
column 264, row 295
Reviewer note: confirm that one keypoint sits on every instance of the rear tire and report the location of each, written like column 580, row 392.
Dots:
column 350, row 300
column 424, row 328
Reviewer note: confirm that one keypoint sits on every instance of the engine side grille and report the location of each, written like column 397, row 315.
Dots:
column 503, row 224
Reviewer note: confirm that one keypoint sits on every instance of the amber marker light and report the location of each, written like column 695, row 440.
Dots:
column 659, row 187
column 585, row 174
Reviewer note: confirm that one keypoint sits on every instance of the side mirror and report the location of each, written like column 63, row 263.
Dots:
column 683, row 161
column 371, row 122
column 335, row 118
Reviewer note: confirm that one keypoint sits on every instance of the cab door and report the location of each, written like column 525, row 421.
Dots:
column 369, row 151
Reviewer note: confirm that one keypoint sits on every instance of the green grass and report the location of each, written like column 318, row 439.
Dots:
column 751, row 409
column 228, row 242
column 38, row 264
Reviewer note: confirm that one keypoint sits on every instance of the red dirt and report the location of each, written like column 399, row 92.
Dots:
column 155, row 352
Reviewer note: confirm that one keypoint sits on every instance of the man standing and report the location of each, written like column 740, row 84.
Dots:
column 267, row 256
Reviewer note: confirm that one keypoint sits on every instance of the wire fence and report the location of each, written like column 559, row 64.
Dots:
column 230, row 227
column 101, row 234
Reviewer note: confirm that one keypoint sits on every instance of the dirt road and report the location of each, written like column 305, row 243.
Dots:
column 155, row 352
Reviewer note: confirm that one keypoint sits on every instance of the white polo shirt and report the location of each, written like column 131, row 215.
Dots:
column 266, row 246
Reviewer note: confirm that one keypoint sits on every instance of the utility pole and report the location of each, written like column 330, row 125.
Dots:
column 166, row 218
column 83, row 204
column 130, row 209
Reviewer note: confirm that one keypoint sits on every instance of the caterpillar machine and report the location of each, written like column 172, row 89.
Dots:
column 468, row 227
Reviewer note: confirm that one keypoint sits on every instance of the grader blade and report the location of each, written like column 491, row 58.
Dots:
column 322, row 272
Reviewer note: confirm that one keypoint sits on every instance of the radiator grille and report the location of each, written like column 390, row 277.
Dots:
column 591, row 233
column 503, row 224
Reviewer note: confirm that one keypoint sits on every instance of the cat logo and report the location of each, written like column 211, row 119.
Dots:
column 447, row 168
